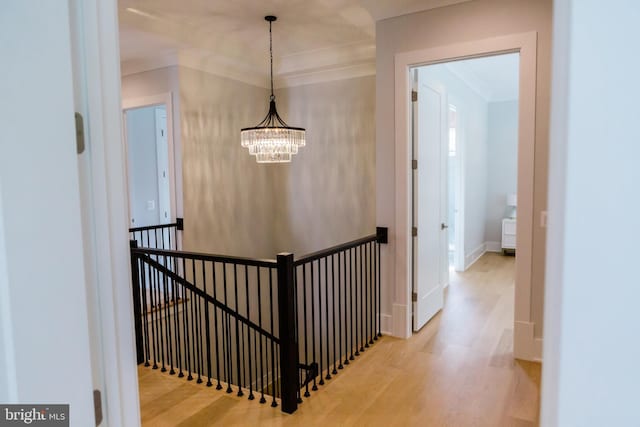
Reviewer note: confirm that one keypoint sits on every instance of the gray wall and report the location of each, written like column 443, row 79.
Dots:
column 228, row 199
column 502, row 164
column 326, row 196
column 441, row 27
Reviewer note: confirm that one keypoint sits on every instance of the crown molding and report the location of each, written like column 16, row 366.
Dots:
column 314, row 66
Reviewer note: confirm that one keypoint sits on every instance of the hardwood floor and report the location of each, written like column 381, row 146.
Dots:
column 457, row 371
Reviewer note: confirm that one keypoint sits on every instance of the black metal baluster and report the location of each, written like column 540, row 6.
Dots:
column 185, row 313
column 207, row 326
column 235, row 285
column 379, row 279
column 273, row 357
column 197, row 334
column 313, row 325
column 215, row 320
column 351, row 305
column 228, row 364
column 159, row 355
column 371, row 296
column 247, row 297
column 362, row 300
column 306, row 319
column 343, row 306
column 333, row 307
column 154, row 316
column 326, row 306
column 144, row 285
column 366, row 297
column 262, row 399
column 194, row 328
column 176, row 320
column 167, row 316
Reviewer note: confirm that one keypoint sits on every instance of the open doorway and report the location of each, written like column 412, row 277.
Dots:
column 465, row 137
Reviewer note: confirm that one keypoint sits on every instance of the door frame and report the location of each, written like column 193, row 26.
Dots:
column 459, row 190
column 525, row 345
column 165, row 99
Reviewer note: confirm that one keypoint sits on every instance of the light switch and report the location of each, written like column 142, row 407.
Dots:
column 151, row 205
column 543, row 219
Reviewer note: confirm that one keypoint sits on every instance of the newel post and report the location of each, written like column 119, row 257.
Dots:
column 288, row 339
column 137, row 304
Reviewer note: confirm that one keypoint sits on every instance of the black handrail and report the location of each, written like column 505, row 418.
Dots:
column 335, row 249
column 268, row 263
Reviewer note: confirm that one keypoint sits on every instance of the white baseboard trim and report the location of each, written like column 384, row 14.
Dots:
column 525, row 345
column 474, row 256
column 385, row 324
column 493, row 246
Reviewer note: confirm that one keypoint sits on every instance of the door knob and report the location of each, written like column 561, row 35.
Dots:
column 443, row 226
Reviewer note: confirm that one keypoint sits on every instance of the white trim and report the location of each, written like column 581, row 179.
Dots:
column 8, row 380
column 474, row 255
column 109, row 209
column 493, row 246
column 525, row 345
column 526, row 44
column 175, row 152
column 385, row 323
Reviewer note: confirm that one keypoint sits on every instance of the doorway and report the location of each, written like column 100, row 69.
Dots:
column 465, row 147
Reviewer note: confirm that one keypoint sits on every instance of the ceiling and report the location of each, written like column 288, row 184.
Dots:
column 230, row 38
column 495, row 78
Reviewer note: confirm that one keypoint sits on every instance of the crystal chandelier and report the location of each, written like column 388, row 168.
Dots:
column 272, row 140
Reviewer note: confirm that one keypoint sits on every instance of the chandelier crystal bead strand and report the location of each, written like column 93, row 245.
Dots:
column 272, row 140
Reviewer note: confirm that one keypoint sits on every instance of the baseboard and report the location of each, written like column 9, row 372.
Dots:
column 385, row 324
column 526, row 346
column 493, row 246
column 474, row 256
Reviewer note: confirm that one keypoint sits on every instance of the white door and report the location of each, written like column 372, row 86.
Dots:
column 430, row 200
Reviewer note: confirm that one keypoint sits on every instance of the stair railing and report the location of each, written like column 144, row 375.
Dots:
column 243, row 322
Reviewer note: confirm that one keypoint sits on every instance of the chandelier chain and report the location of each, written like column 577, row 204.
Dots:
column 271, row 59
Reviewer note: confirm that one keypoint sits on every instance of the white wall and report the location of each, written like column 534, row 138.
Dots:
column 502, row 167
column 142, row 165
column 42, row 272
column 473, row 119
column 444, row 26
column 591, row 371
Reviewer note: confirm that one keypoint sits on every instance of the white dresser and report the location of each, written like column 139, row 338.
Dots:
column 508, row 234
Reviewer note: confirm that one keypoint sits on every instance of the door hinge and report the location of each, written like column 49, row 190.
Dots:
column 414, row 296
column 79, row 133
column 414, row 164
column 414, row 231
column 97, row 406
column 414, row 95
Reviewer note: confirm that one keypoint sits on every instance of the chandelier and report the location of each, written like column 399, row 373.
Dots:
column 272, row 140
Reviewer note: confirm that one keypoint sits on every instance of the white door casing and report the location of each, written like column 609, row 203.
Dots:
column 526, row 345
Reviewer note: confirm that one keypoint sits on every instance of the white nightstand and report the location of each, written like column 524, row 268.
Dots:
column 508, row 234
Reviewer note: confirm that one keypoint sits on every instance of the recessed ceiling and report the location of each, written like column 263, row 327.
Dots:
column 230, row 37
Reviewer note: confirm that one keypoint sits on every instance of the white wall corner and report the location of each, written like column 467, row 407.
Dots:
column 525, row 345
column 474, row 255
column 400, row 326
column 493, row 246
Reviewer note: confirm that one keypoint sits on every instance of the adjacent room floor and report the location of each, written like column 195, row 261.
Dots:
column 457, row 371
